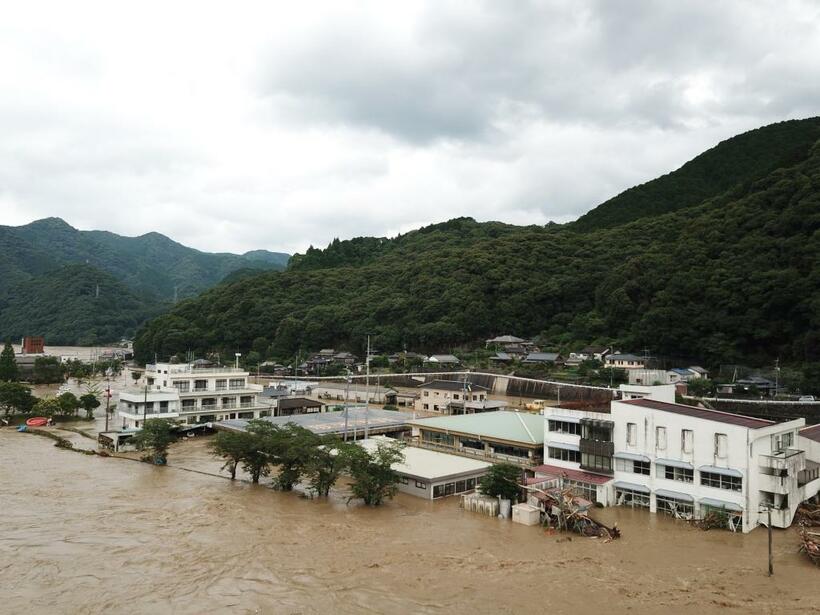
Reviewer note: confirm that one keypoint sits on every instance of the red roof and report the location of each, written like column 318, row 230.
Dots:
column 812, row 433
column 701, row 413
column 580, row 475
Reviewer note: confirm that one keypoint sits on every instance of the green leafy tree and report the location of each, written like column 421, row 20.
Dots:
column 374, row 479
column 502, row 480
column 379, row 361
column 89, row 403
column 48, row 407
column 325, row 464
column 291, row 448
column 8, row 365
column 69, row 404
column 156, row 435
column 257, row 458
column 233, row 447
column 15, row 398
column 47, row 370
column 700, row 387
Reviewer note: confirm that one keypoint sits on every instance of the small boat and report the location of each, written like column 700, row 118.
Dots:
column 37, row 421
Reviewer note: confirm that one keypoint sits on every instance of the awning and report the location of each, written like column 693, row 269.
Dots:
column 564, row 419
column 721, row 504
column 564, row 445
column 631, row 457
column 724, row 471
column 674, row 463
column 630, row 486
column 674, row 495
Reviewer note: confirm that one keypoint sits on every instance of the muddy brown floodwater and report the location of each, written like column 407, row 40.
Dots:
column 83, row 534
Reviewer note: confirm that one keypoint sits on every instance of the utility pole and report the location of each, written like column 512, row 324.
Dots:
column 347, row 399
column 776, row 375
column 107, row 402
column 771, row 567
column 145, row 405
column 367, row 391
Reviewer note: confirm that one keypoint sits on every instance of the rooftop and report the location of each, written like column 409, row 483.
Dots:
column 542, row 356
column 287, row 403
column 352, row 387
column 500, row 425
column 327, row 423
column 442, row 358
column 701, row 413
column 586, row 477
column 505, row 339
column 451, row 385
column 427, row 464
column 623, row 357
column 812, row 433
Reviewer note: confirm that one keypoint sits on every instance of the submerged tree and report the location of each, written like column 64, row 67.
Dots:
column 15, row 397
column 156, row 435
column 374, row 479
column 292, row 446
column 501, row 480
column 257, row 457
column 326, row 464
column 69, row 404
column 233, row 447
column 89, row 403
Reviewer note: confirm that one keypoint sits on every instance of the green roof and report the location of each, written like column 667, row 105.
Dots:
column 501, row 425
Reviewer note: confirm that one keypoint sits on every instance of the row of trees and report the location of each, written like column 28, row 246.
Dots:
column 48, row 370
column 296, row 453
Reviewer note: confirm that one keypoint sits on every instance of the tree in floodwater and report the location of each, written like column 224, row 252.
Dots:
column 8, row 365
column 156, row 435
column 233, row 447
column 69, row 404
column 292, row 446
column 373, row 476
column 501, row 480
column 47, row 406
column 89, row 403
column 326, row 464
column 16, row 397
column 257, row 458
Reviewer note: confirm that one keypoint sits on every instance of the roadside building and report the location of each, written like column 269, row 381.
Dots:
column 510, row 345
column 354, row 392
column 544, row 358
column 443, row 360
column 438, row 395
column 33, row 344
column 432, row 475
column 516, row 437
column 624, row 361
column 190, row 394
column 651, row 377
column 291, row 406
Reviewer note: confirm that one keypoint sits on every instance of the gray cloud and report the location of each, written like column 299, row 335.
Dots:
column 272, row 128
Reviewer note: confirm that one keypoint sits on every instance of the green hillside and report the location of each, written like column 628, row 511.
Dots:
column 729, row 165
column 149, row 268
column 732, row 278
column 64, row 306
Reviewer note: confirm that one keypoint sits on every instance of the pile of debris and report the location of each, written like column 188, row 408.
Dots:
column 808, row 517
column 565, row 511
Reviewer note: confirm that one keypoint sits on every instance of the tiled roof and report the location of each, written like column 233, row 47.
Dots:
column 451, row 385
column 812, row 433
column 586, row 477
column 701, row 413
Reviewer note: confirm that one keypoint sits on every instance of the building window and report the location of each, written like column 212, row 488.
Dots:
column 421, row 485
column 427, row 393
column 438, row 438
column 636, row 467
column 221, row 384
column 163, row 406
column 200, row 385
column 596, row 462
column 511, row 451
column 660, row 438
column 237, row 383
column 721, row 445
column 403, row 480
column 687, row 440
column 564, row 454
column 635, row 499
column 684, row 475
column 455, row 395
column 721, row 481
column 588, row 491
column 181, row 385
column 476, row 444
column 426, row 406
column 565, row 427
column 675, row 508
column 188, row 404
column 632, row 434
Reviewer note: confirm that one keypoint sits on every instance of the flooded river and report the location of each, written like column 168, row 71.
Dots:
column 83, row 534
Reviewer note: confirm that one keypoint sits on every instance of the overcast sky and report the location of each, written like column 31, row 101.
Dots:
column 236, row 126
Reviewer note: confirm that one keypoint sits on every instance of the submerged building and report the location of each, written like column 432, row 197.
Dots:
column 670, row 458
column 191, row 394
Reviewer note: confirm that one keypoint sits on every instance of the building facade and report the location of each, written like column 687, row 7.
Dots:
column 649, row 452
column 191, row 395
column 441, row 395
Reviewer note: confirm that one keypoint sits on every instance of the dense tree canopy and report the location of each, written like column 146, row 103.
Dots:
column 732, row 278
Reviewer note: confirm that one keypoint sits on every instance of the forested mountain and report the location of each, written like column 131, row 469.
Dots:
column 137, row 277
column 728, row 272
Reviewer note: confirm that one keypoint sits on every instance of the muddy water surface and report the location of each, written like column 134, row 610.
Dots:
column 83, row 534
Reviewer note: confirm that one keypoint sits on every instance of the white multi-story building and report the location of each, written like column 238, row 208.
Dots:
column 681, row 460
column 191, row 395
